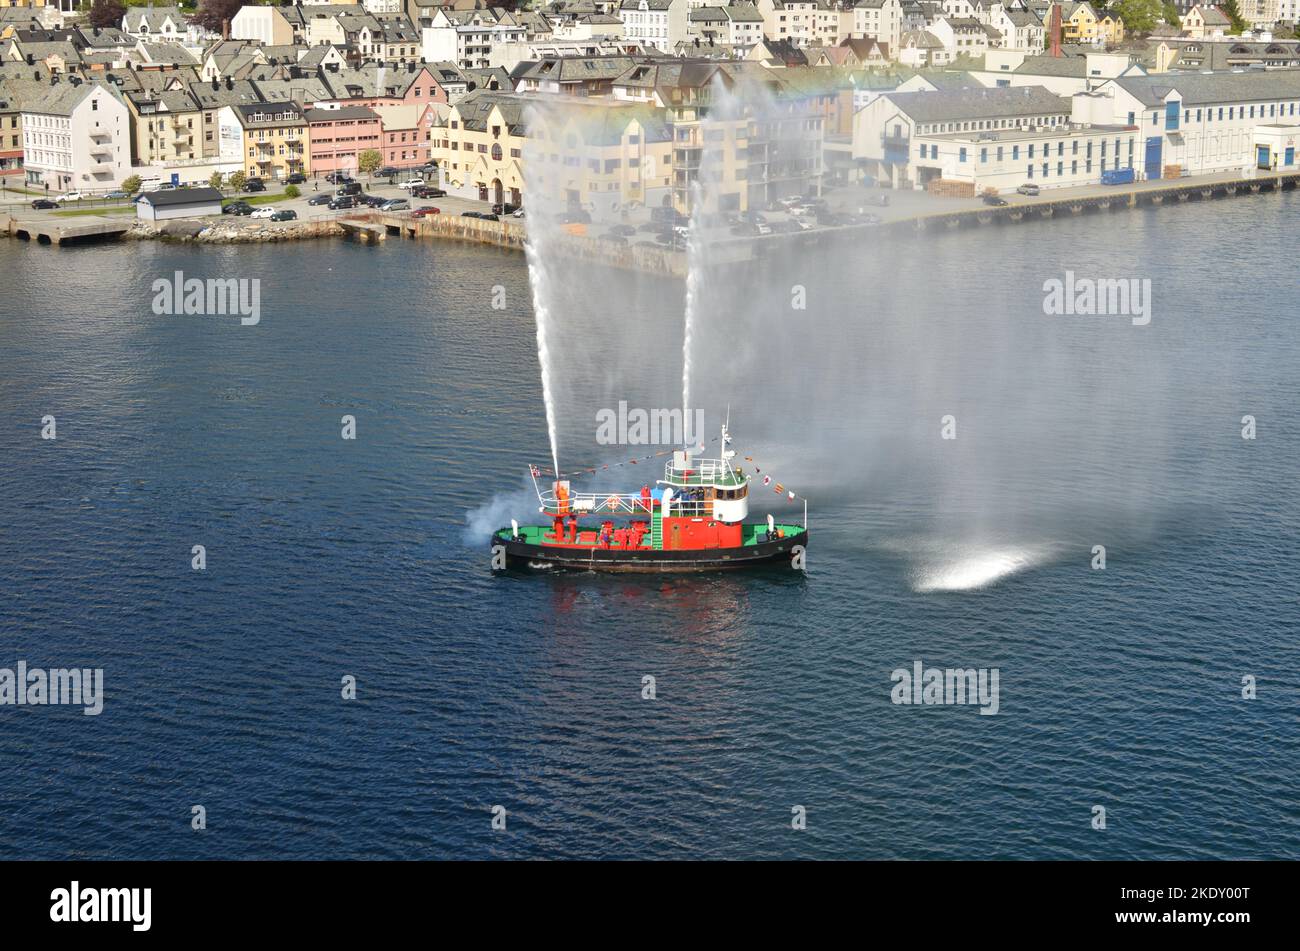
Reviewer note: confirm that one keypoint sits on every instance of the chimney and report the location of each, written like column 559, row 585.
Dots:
column 225, row 30
column 1056, row 30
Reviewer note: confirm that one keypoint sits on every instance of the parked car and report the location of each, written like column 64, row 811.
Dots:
column 68, row 196
column 995, row 200
column 266, row 211
column 624, row 230
column 41, row 204
column 342, row 201
column 428, row 191
column 237, row 208
column 349, row 188
column 1027, row 189
column 395, row 204
column 386, row 172
column 424, row 211
column 297, row 178
column 576, row 217
column 371, row 201
column 338, row 178
column 520, row 214
column 117, row 195
column 411, row 183
column 286, row 214
column 254, row 185
column 504, row 208
column 320, row 199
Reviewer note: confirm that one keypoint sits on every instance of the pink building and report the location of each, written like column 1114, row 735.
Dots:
column 338, row 136
column 407, row 139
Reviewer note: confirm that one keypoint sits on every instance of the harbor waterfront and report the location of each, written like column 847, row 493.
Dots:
column 329, row 558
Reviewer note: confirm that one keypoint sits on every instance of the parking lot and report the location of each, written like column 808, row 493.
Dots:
column 90, row 208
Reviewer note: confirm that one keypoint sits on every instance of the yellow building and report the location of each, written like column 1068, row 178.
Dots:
column 604, row 155
column 479, row 147
column 1110, row 29
column 270, row 138
column 1079, row 23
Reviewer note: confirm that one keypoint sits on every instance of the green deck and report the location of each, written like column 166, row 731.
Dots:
column 750, row 534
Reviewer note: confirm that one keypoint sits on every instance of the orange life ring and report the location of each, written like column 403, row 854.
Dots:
column 612, row 502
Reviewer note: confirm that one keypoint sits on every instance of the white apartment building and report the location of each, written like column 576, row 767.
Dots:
column 468, row 37
column 267, row 25
column 661, row 24
column 77, row 138
column 739, row 24
column 880, row 20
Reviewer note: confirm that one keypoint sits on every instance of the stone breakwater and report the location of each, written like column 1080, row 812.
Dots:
column 239, row 231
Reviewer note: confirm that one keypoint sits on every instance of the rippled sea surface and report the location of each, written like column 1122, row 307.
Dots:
column 328, row 558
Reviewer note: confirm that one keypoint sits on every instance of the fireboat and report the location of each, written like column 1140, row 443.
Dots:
column 693, row 519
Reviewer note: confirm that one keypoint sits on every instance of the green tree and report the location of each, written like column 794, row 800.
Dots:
column 1230, row 10
column 369, row 161
column 1171, row 16
column 292, row 192
column 1139, row 16
column 217, row 180
column 131, row 185
column 238, row 180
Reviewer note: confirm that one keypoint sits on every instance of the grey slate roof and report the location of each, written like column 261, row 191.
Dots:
column 182, row 196
column 967, row 104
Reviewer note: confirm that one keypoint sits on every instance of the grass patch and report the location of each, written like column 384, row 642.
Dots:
column 257, row 198
column 101, row 210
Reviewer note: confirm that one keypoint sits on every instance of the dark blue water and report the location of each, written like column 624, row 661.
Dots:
column 329, row 558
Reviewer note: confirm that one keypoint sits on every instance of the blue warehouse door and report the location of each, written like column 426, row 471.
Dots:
column 1261, row 156
column 1153, row 169
column 1290, row 157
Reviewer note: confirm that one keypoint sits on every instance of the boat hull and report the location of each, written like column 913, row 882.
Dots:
column 526, row 555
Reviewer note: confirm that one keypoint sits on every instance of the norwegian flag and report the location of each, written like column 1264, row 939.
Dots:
column 534, row 470
column 767, row 480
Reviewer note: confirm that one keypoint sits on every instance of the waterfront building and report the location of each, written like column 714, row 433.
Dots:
column 168, row 127
column 883, row 131
column 1197, row 123
column 1001, row 160
column 479, row 146
column 337, row 137
column 406, row 134
column 272, row 138
column 77, row 137
column 178, row 203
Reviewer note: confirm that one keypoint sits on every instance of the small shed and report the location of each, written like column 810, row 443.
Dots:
column 178, row 203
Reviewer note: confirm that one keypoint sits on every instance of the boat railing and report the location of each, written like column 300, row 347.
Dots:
column 593, row 503
column 701, row 472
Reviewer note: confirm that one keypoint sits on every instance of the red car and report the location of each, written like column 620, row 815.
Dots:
column 425, row 211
